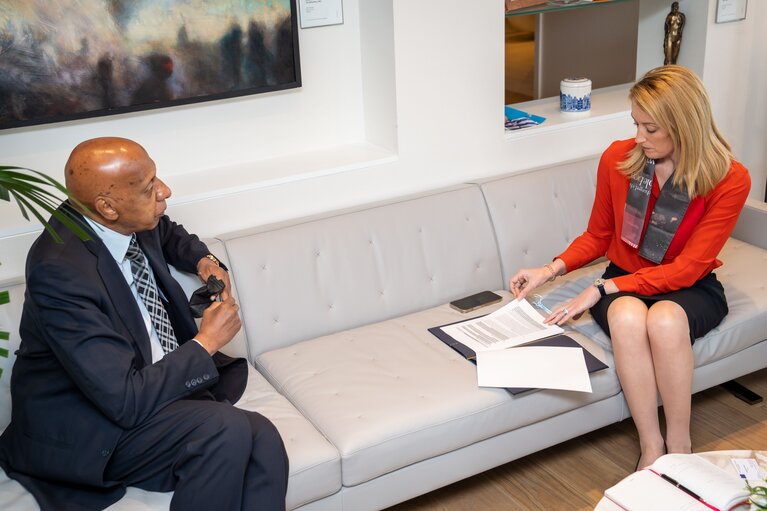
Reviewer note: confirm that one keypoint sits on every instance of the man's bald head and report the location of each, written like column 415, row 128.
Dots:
column 114, row 177
column 96, row 164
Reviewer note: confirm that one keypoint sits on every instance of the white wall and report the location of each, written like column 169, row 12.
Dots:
column 735, row 73
column 270, row 157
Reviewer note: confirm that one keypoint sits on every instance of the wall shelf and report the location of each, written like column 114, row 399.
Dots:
column 606, row 103
column 554, row 5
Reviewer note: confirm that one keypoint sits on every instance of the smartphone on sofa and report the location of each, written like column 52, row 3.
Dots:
column 475, row 301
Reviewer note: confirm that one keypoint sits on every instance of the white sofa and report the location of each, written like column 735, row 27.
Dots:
column 374, row 410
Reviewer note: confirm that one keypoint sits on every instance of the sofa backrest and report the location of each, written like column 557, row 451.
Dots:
column 315, row 276
column 537, row 214
column 11, row 301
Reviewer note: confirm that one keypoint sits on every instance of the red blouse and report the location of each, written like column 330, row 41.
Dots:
column 706, row 225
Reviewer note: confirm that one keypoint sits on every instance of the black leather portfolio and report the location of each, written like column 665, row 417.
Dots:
column 593, row 364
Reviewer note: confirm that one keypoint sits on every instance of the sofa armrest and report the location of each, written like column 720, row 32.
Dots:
column 752, row 224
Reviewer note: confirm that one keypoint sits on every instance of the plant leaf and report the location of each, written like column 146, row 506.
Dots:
column 48, row 227
column 26, row 187
column 21, row 205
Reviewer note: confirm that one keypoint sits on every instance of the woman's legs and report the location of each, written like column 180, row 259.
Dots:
column 627, row 317
column 653, row 354
column 669, row 334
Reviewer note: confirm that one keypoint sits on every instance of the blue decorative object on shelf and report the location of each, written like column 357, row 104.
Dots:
column 568, row 103
column 575, row 95
column 518, row 119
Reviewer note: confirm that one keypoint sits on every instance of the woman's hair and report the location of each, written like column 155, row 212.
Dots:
column 677, row 101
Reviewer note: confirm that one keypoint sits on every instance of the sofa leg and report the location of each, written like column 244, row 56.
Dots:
column 741, row 392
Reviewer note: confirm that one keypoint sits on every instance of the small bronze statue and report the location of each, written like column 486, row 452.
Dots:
column 673, row 38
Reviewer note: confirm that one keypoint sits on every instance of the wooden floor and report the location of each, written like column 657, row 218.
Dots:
column 585, row 466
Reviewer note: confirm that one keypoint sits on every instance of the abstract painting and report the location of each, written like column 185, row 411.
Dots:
column 70, row 59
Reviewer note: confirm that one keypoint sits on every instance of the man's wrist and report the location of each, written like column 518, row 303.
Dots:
column 213, row 258
column 202, row 345
column 210, row 259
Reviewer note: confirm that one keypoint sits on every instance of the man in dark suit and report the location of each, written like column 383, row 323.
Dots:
column 113, row 384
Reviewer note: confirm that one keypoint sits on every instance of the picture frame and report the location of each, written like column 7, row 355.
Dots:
column 75, row 59
column 730, row 10
column 321, row 13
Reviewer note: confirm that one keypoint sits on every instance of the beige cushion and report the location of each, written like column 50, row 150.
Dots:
column 391, row 394
column 538, row 213
column 315, row 465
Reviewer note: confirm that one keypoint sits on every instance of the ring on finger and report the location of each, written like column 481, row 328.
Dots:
column 564, row 309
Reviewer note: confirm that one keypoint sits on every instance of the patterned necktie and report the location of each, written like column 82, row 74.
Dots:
column 147, row 290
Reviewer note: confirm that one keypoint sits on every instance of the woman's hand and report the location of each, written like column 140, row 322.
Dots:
column 527, row 279
column 574, row 308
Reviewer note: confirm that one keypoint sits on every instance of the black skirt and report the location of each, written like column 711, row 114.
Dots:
column 703, row 302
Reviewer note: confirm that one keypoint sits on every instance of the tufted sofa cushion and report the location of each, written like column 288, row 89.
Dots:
column 362, row 266
column 390, row 394
column 537, row 214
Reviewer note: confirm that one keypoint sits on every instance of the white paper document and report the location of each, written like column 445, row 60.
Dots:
column 545, row 367
column 748, row 469
column 515, row 323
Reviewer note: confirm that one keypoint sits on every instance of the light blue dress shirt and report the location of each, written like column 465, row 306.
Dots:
column 117, row 244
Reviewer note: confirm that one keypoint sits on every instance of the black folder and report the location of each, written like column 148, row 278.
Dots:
column 593, row 364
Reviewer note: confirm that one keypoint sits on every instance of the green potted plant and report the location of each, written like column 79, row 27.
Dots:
column 758, row 498
column 34, row 192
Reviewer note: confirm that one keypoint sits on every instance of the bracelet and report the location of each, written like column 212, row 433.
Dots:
column 553, row 273
column 213, row 258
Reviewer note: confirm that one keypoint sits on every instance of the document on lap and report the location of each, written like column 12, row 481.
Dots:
column 514, row 324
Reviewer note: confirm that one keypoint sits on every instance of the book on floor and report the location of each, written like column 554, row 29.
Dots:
column 680, row 481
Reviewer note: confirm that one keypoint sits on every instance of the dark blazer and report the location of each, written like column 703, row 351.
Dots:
column 84, row 373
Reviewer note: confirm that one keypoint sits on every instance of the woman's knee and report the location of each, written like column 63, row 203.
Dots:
column 627, row 314
column 666, row 319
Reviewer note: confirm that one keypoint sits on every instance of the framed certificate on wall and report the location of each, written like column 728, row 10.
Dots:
column 730, row 10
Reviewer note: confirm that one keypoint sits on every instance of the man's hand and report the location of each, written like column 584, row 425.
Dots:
column 220, row 323
column 206, row 268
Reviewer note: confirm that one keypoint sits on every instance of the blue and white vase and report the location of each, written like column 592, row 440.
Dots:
column 575, row 95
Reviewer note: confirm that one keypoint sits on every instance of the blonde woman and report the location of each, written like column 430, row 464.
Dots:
column 666, row 202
